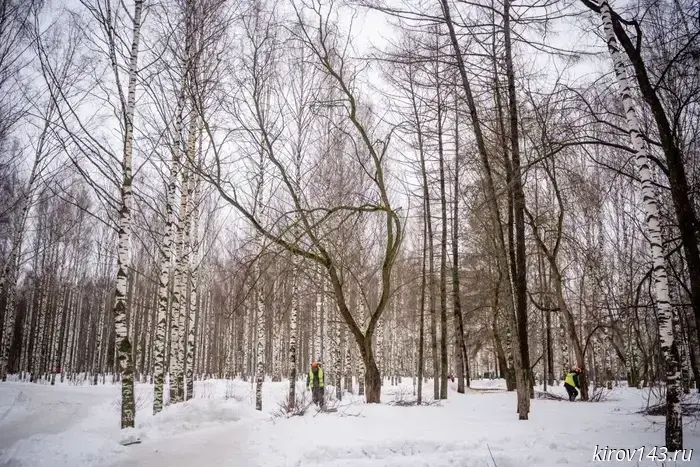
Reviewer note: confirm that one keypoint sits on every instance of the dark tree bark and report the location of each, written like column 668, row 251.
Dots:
column 421, row 322
column 520, row 276
column 443, row 247
column 461, row 351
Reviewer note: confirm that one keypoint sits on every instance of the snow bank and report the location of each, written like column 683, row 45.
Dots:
column 51, row 426
column 78, row 426
column 191, row 415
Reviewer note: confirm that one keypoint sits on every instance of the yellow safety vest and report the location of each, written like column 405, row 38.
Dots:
column 570, row 379
column 320, row 378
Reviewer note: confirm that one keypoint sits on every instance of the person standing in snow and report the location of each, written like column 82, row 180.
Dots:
column 315, row 383
column 571, row 383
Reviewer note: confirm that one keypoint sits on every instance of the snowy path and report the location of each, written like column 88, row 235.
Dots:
column 221, row 446
column 60, row 425
column 36, row 410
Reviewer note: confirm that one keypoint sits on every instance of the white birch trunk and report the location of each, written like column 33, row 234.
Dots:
column 311, row 340
column 565, row 363
column 194, row 284
column 669, row 350
column 260, row 340
column 294, row 312
column 185, row 303
column 179, row 300
column 26, row 332
column 122, row 344
column 360, row 361
column 247, row 318
column 39, row 334
column 317, row 325
column 293, row 318
column 180, row 305
column 348, row 363
column 338, row 359
column 166, row 260
column 11, row 271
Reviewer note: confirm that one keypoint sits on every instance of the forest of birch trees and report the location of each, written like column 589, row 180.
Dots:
column 196, row 189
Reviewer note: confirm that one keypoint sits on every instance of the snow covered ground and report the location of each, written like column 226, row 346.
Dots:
column 78, row 426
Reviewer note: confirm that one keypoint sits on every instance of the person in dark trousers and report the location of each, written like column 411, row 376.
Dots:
column 315, row 383
column 571, row 383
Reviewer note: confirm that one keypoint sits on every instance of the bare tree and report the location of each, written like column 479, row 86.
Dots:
column 521, row 379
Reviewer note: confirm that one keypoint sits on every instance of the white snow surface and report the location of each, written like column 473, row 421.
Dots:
column 76, row 426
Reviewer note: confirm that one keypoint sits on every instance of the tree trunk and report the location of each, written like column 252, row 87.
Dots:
column 338, row 362
column 500, row 352
column 463, row 360
column 122, row 342
column 443, row 251
column 187, row 304
column 421, row 320
column 348, row 365
column 166, row 259
column 194, row 287
column 520, row 277
column 427, row 239
column 669, row 348
column 260, row 340
column 678, row 181
column 523, row 393
column 293, row 317
column 373, row 382
column 372, row 377
column 461, row 348
column 178, row 308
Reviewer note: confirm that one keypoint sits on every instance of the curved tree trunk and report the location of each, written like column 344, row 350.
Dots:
column 678, row 181
column 669, row 348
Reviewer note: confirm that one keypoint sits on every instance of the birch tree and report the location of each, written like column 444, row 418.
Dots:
column 111, row 25
column 669, row 347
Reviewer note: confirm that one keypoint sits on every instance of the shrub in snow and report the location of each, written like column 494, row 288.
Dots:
column 190, row 415
column 402, row 396
column 301, row 405
column 549, row 396
column 600, row 395
column 656, row 403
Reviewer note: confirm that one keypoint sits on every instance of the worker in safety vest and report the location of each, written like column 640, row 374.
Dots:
column 315, row 383
column 571, row 383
